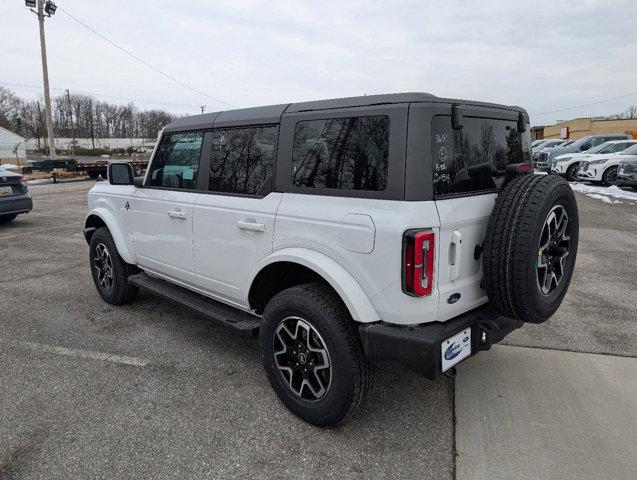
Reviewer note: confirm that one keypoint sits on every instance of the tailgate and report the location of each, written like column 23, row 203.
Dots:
column 463, row 222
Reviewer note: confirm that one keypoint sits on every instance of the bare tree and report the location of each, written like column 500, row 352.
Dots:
column 10, row 105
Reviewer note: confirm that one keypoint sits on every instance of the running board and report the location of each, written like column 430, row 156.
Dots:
column 242, row 322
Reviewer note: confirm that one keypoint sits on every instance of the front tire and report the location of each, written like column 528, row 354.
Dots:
column 571, row 172
column 110, row 272
column 610, row 176
column 313, row 356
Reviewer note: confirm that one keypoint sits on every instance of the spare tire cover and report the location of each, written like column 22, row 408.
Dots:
column 530, row 247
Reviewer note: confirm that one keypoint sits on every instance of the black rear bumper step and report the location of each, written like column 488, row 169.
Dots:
column 242, row 322
column 418, row 347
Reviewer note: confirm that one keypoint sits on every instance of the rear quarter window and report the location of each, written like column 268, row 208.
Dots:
column 473, row 159
column 349, row 153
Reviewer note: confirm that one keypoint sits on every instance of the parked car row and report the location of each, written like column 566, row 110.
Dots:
column 594, row 158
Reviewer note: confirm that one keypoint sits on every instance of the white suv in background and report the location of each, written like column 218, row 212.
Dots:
column 400, row 227
column 568, row 164
column 603, row 168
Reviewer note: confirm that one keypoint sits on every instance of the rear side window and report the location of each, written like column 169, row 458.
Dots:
column 474, row 158
column 242, row 160
column 349, row 153
column 176, row 162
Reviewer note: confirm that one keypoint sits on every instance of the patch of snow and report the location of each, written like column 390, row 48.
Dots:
column 539, row 172
column 602, row 198
column 603, row 193
column 10, row 166
column 45, row 181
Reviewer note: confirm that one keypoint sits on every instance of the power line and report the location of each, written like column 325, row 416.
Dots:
column 586, row 104
column 143, row 62
column 105, row 95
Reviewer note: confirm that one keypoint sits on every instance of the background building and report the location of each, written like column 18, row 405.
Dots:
column 537, row 132
column 580, row 127
column 12, row 148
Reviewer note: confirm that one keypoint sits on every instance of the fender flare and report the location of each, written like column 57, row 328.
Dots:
column 113, row 226
column 345, row 285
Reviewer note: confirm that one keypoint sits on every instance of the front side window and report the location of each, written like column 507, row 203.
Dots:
column 474, row 158
column 177, row 161
column 242, row 159
column 349, row 153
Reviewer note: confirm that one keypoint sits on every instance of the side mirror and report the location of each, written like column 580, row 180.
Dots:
column 584, row 147
column 120, row 174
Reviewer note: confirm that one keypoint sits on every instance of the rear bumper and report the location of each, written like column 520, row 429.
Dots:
column 419, row 347
column 16, row 204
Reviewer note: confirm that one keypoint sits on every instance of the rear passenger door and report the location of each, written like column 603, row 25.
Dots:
column 234, row 219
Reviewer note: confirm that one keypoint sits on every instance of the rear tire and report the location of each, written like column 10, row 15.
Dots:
column 8, row 218
column 610, row 176
column 530, row 247
column 110, row 272
column 305, row 328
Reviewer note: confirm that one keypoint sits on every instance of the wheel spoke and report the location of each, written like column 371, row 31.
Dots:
column 302, row 358
column 103, row 264
column 553, row 248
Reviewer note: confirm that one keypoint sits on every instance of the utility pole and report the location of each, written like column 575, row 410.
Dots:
column 42, row 11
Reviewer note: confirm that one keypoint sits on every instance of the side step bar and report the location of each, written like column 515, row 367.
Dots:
column 242, row 322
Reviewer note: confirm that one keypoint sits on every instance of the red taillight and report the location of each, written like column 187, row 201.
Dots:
column 418, row 262
column 524, row 168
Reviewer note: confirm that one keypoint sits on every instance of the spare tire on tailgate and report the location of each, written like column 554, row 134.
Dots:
column 530, row 247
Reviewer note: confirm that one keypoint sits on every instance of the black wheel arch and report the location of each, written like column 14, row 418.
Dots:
column 279, row 276
column 92, row 223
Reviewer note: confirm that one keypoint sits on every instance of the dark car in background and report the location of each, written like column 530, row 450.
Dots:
column 14, row 196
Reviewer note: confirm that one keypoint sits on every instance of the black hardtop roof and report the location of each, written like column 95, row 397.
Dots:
column 272, row 113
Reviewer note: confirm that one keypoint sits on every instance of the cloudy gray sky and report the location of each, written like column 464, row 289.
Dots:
column 544, row 56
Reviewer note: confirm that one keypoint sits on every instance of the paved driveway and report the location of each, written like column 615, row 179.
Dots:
column 151, row 391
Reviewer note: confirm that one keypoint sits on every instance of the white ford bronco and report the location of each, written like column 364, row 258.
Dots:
column 400, row 227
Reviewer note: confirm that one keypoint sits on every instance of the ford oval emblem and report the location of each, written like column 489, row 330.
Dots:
column 453, row 298
column 453, row 351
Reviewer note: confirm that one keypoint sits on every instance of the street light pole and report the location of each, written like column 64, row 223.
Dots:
column 45, row 78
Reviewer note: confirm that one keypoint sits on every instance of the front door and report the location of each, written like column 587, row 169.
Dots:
column 162, row 210
column 234, row 221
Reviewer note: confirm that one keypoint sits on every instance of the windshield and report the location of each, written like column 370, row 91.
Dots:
column 630, row 150
column 580, row 142
column 616, row 147
column 602, row 148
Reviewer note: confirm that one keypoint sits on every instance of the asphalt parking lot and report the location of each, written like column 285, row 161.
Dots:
column 151, row 391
